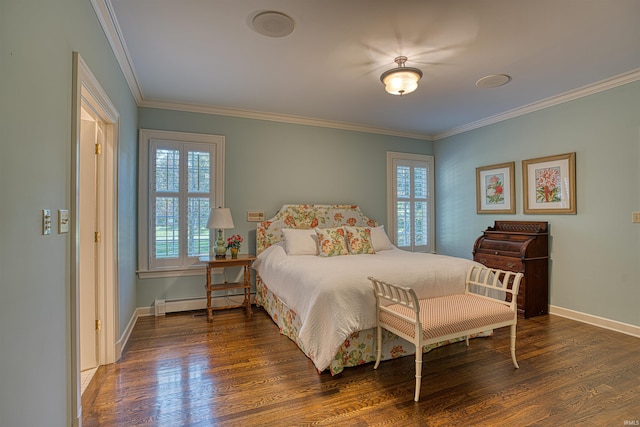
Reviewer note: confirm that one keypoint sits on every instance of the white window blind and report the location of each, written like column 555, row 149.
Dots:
column 180, row 181
column 410, row 198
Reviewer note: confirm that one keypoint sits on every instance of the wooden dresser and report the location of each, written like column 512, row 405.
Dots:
column 520, row 246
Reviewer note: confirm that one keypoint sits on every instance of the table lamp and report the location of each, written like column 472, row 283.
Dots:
column 219, row 219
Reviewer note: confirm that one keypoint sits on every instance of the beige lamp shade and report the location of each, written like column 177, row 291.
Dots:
column 220, row 218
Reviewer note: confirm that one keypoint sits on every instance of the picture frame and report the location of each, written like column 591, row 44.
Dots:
column 495, row 189
column 549, row 184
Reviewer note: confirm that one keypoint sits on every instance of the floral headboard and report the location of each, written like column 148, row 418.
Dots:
column 308, row 216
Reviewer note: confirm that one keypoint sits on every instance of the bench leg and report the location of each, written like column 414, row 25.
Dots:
column 379, row 350
column 418, row 372
column 513, row 346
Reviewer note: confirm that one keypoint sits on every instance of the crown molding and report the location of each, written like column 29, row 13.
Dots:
column 282, row 118
column 587, row 90
column 109, row 23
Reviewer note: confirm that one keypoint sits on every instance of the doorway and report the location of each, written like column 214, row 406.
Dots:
column 91, row 137
column 93, row 225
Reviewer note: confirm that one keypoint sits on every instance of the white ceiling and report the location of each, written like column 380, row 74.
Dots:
column 203, row 55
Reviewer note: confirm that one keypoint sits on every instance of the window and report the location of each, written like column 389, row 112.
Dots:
column 410, row 201
column 181, row 178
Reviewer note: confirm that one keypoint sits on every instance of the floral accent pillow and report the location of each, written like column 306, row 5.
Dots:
column 331, row 241
column 359, row 240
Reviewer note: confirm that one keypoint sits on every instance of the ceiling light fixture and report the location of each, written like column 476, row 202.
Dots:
column 401, row 80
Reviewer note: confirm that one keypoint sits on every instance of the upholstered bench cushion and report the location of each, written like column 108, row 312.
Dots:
column 449, row 314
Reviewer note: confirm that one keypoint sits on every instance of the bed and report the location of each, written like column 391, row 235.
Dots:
column 319, row 295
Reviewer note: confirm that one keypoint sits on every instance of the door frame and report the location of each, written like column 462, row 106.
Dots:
column 90, row 195
column 87, row 90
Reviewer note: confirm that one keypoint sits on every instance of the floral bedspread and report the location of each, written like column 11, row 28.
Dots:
column 358, row 349
column 360, row 346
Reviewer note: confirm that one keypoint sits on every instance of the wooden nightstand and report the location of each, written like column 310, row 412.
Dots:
column 242, row 261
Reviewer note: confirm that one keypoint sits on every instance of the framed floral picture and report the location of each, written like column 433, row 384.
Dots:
column 495, row 189
column 550, row 184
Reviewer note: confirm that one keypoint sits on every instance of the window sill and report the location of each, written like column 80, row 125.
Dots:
column 155, row 274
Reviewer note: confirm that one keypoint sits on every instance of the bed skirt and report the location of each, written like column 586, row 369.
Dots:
column 358, row 349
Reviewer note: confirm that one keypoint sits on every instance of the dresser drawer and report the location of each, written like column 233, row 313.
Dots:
column 502, row 263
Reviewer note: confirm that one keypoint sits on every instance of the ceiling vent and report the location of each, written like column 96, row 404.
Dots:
column 493, row 80
column 273, row 24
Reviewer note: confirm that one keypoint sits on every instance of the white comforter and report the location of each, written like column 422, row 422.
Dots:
column 333, row 297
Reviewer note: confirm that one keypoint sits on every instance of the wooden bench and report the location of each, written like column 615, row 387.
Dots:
column 489, row 302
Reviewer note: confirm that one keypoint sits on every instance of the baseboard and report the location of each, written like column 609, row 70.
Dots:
column 188, row 304
column 122, row 342
column 601, row 322
column 201, row 303
column 172, row 306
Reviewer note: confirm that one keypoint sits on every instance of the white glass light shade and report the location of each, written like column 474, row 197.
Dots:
column 220, row 218
column 401, row 80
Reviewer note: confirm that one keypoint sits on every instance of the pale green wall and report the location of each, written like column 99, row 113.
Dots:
column 37, row 39
column 269, row 164
column 595, row 255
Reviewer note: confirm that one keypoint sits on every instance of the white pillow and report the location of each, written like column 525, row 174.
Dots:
column 380, row 239
column 300, row 241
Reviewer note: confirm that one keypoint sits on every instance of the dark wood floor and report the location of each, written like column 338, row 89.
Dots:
column 180, row 370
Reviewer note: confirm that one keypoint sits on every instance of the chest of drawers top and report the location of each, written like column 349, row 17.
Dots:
column 514, row 239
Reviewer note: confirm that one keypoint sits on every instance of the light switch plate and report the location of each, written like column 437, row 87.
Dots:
column 63, row 221
column 635, row 216
column 46, row 221
column 255, row 216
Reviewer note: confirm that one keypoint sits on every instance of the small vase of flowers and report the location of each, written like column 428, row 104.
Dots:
column 233, row 244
